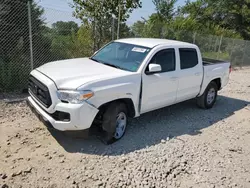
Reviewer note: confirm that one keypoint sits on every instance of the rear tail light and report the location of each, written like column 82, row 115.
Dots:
column 230, row 69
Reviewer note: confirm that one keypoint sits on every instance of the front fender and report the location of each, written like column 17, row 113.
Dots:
column 111, row 92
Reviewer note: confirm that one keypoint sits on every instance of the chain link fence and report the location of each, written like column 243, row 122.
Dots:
column 28, row 40
column 237, row 51
column 14, row 45
column 31, row 36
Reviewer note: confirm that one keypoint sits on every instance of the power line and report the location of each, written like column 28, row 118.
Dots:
column 61, row 10
column 55, row 6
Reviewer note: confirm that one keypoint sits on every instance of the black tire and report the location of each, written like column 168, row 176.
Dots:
column 202, row 101
column 110, row 121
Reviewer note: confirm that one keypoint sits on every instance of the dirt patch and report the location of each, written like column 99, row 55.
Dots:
column 178, row 146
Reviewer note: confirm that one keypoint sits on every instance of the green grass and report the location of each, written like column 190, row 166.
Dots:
column 216, row 55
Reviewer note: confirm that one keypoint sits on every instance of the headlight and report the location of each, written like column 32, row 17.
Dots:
column 74, row 97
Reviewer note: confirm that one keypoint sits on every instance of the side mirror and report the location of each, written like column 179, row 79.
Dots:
column 154, row 68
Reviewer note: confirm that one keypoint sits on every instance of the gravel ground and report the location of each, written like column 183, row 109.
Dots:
column 178, row 146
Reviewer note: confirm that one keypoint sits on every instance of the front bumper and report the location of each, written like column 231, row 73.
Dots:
column 81, row 115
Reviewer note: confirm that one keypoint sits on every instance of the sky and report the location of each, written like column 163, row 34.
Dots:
column 56, row 10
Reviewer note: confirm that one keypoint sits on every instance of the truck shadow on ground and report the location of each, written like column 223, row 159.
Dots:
column 149, row 129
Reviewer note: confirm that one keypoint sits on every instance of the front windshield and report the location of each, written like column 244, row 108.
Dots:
column 122, row 56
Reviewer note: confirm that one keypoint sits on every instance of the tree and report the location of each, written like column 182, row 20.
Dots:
column 165, row 9
column 154, row 26
column 236, row 16
column 11, row 27
column 65, row 28
column 157, row 25
column 125, row 30
column 98, row 14
column 97, row 9
column 40, row 40
column 230, row 14
column 14, row 46
column 138, row 28
column 75, row 44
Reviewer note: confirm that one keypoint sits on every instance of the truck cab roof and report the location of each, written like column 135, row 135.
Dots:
column 152, row 42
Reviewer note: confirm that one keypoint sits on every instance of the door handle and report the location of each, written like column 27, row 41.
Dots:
column 173, row 78
column 197, row 74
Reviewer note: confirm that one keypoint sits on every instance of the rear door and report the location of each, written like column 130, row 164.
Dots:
column 191, row 74
column 159, row 90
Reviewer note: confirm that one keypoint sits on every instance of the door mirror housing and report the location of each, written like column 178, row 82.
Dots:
column 153, row 68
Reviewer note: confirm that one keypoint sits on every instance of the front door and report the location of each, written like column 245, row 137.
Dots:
column 159, row 90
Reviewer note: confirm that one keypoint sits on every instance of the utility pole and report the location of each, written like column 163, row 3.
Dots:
column 194, row 37
column 119, row 19
column 218, row 53
column 94, row 31
column 30, row 36
column 113, row 27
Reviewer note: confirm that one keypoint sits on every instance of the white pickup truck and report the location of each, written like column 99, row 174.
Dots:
column 125, row 78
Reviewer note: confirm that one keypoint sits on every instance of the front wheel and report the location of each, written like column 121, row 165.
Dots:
column 114, row 122
column 209, row 97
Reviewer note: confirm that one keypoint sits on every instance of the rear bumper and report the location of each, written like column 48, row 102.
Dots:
column 81, row 115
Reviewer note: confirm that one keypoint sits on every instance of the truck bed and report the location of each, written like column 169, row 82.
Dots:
column 207, row 61
column 215, row 69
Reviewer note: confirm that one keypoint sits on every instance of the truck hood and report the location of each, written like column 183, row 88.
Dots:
column 73, row 73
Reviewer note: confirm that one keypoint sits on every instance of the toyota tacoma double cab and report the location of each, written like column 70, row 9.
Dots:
column 124, row 79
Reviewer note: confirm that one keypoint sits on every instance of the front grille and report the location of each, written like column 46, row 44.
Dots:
column 39, row 91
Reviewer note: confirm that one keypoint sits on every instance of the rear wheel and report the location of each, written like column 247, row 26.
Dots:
column 114, row 122
column 209, row 97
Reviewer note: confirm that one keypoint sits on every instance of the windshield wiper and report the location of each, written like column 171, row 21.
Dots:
column 115, row 66
column 94, row 60
column 108, row 64
column 111, row 65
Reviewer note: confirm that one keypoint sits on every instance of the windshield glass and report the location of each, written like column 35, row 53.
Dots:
column 122, row 56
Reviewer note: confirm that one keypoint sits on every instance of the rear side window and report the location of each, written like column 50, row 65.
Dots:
column 188, row 58
column 165, row 58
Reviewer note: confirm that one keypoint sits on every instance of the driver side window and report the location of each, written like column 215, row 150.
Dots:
column 165, row 58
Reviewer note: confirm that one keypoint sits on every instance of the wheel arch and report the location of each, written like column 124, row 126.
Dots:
column 127, row 101
column 217, row 81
